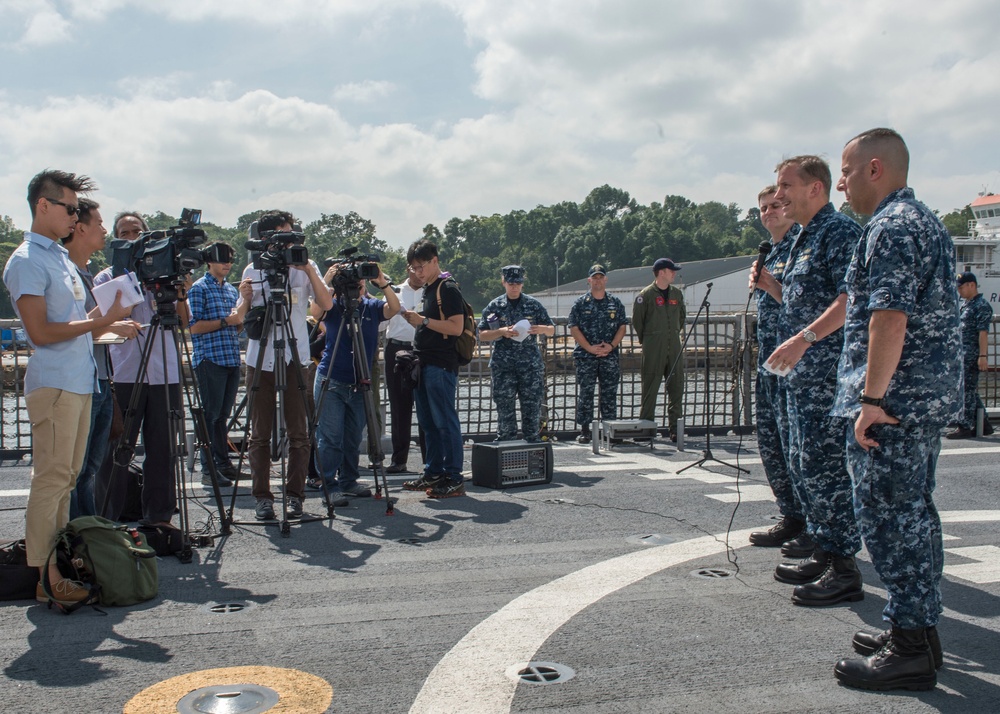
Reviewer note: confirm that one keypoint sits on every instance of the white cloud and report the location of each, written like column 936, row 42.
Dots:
column 363, row 92
column 653, row 97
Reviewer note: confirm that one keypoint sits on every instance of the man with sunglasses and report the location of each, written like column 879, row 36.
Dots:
column 215, row 327
column 49, row 297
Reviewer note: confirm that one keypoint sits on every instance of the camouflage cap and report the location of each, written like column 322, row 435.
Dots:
column 512, row 273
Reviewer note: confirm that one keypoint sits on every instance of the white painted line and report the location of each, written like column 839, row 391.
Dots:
column 746, row 493
column 969, row 516
column 14, row 492
column 986, row 569
column 470, row 677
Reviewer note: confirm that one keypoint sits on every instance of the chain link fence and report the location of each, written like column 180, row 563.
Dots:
column 719, row 364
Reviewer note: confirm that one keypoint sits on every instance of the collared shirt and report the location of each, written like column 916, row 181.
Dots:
column 398, row 328
column 101, row 356
column 977, row 316
column 815, row 277
column 298, row 292
column 502, row 312
column 41, row 267
column 212, row 300
column 905, row 261
column 127, row 357
column 598, row 320
column 769, row 309
column 371, row 313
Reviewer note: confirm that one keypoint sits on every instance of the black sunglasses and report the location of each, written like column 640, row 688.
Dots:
column 70, row 209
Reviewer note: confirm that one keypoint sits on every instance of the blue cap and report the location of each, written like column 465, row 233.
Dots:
column 662, row 263
column 967, row 277
column 512, row 273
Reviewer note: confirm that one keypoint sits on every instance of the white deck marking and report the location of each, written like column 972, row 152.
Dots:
column 986, row 569
column 471, row 677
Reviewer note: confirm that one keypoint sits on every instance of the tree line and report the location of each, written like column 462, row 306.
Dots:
column 556, row 243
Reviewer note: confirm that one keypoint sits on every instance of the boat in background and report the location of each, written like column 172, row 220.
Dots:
column 977, row 252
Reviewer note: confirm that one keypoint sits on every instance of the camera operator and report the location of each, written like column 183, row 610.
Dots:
column 304, row 283
column 215, row 328
column 159, row 390
column 342, row 409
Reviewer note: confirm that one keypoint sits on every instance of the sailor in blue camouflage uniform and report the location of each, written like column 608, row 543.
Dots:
column 516, row 363
column 977, row 316
column 771, row 410
column 811, row 322
column 598, row 323
column 900, row 380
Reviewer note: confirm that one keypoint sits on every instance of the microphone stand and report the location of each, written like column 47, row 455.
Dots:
column 706, row 455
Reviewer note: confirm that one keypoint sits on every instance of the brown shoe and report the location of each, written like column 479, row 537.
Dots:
column 64, row 592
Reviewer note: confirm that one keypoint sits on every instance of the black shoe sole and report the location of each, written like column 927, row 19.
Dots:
column 853, row 596
column 921, row 684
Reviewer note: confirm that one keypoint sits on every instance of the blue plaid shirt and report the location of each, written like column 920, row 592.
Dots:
column 211, row 300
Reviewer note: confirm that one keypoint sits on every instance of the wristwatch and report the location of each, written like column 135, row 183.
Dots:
column 426, row 321
column 872, row 401
column 222, row 323
column 809, row 336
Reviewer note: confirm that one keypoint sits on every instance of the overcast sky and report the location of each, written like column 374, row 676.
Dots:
column 413, row 112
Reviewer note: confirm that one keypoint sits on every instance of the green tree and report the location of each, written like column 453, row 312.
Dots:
column 957, row 222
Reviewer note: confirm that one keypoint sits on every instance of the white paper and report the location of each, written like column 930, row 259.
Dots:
column 521, row 327
column 780, row 372
column 105, row 293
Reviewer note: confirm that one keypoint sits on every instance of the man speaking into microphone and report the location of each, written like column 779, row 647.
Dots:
column 772, row 415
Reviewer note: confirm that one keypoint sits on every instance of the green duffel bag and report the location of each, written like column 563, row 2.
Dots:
column 114, row 560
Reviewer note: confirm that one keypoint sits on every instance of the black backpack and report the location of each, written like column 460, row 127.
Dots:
column 465, row 344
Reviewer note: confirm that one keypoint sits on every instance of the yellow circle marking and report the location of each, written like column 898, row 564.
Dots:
column 299, row 692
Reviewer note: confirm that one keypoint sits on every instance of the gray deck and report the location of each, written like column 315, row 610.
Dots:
column 426, row 610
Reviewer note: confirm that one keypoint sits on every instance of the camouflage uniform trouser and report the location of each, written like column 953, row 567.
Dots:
column 817, row 465
column 772, row 440
column 512, row 385
column 588, row 373
column 972, row 399
column 893, row 499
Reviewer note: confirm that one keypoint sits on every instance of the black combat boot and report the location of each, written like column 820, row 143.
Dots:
column 785, row 529
column 867, row 644
column 905, row 662
column 801, row 547
column 840, row 581
column 805, row 571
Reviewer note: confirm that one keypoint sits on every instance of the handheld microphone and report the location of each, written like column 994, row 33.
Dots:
column 762, row 250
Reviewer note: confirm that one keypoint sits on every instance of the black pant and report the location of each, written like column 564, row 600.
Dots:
column 159, row 490
column 400, row 407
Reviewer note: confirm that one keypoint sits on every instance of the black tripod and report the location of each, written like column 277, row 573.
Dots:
column 349, row 299
column 706, row 455
column 166, row 318
column 276, row 329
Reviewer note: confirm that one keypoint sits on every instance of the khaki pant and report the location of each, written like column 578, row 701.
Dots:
column 60, row 427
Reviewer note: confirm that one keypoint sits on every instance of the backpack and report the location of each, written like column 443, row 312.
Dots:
column 465, row 345
column 114, row 560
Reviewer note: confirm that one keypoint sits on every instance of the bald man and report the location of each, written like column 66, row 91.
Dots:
column 899, row 380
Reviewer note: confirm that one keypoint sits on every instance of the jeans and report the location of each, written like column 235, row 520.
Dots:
column 217, row 386
column 436, row 413
column 81, row 500
column 338, row 432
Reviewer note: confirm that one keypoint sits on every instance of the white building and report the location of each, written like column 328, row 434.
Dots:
column 727, row 276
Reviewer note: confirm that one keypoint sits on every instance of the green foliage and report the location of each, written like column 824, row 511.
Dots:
column 957, row 222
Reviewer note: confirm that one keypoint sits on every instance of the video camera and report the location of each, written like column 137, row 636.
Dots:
column 352, row 269
column 159, row 257
column 274, row 251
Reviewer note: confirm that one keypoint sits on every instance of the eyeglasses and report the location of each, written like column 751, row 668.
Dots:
column 417, row 267
column 70, row 209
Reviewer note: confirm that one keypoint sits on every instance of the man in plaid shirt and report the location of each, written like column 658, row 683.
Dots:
column 215, row 327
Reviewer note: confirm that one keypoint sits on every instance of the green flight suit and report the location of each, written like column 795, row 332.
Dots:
column 658, row 322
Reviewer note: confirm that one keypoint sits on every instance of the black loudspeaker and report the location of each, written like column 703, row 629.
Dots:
column 511, row 463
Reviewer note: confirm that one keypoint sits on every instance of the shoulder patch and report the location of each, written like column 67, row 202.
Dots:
column 872, row 241
column 639, row 300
